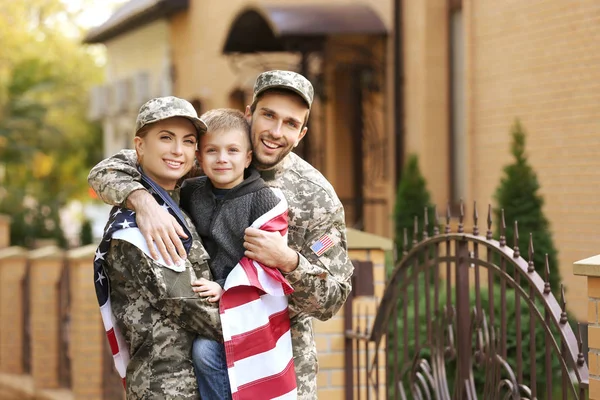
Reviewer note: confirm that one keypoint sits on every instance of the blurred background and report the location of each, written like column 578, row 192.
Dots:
column 454, row 92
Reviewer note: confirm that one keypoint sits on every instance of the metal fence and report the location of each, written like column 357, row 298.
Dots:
column 25, row 288
column 64, row 322
column 464, row 316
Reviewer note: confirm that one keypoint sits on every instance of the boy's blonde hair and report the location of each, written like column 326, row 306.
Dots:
column 226, row 119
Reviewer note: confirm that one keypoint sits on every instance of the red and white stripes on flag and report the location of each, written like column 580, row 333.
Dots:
column 118, row 345
column 256, row 323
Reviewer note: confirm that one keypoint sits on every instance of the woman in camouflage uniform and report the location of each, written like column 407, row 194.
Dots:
column 156, row 313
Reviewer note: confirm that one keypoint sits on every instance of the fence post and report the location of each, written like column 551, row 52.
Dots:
column 45, row 268
column 13, row 266
column 463, row 318
column 87, row 332
column 590, row 268
column 4, row 231
column 64, row 323
column 349, row 345
column 368, row 253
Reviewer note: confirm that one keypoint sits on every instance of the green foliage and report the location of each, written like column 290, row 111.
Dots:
column 86, row 235
column 411, row 199
column 31, row 222
column 47, row 146
column 518, row 194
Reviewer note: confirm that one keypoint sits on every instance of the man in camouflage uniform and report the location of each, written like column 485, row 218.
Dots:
column 316, row 263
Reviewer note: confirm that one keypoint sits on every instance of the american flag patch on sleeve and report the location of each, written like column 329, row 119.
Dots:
column 322, row 245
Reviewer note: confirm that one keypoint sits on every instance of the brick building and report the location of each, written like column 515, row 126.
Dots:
column 468, row 69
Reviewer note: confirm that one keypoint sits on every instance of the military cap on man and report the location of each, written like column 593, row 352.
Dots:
column 160, row 108
column 287, row 80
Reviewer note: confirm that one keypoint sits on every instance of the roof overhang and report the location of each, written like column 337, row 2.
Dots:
column 132, row 15
column 273, row 28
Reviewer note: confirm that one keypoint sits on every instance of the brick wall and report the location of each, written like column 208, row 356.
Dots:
column 425, row 84
column 536, row 60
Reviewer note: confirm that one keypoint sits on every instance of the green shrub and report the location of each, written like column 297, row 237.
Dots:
column 411, row 199
column 29, row 223
column 85, row 235
column 518, row 194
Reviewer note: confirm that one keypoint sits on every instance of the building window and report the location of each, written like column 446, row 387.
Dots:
column 237, row 100
column 458, row 143
column 197, row 104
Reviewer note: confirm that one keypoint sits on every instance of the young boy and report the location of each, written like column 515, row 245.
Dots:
column 222, row 205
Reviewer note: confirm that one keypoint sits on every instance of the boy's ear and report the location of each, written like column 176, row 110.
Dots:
column 248, row 158
column 248, row 114
column 199, row 157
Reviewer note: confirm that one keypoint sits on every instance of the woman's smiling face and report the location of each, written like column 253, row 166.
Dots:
column 166, row 150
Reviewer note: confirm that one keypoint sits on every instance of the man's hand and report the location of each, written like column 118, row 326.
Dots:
column 269, row 249
column 158, row 226
column 206, row 288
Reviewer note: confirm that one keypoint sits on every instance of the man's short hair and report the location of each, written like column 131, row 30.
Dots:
column 283, row 92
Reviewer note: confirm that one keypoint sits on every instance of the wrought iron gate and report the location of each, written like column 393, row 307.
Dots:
column 464, row 316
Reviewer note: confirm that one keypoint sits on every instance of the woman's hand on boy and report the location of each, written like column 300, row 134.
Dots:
column 269, row 249
column 209, row 289
column 158, row 226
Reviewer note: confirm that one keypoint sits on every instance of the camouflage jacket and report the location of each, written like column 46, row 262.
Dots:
column 321, row 283
column 159, row 316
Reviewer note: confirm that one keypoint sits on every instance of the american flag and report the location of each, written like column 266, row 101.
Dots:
column 256, row 323
column 122, row 225
column 322, row 245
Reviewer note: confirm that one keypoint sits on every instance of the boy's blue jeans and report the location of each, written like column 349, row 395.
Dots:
column 210, row 366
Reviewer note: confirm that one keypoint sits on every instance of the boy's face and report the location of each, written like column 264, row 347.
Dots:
column 223, row 156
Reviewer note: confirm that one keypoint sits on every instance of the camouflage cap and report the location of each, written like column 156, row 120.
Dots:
column 161, row 108
column 284, row 80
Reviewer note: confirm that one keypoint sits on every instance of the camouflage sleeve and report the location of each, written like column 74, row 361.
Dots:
column 168, row 291
column 114, row 178
column 322, row 282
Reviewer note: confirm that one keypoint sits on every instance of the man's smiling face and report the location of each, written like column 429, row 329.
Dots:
column 276, row 127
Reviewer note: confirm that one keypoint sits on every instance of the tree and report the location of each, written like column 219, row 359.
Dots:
column 47, row 146
column 518, row 195
column 411, row 199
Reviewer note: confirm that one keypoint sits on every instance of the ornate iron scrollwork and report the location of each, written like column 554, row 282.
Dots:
column 465, row 350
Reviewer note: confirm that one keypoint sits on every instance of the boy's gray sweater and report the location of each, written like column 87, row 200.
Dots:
column 221, row 222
